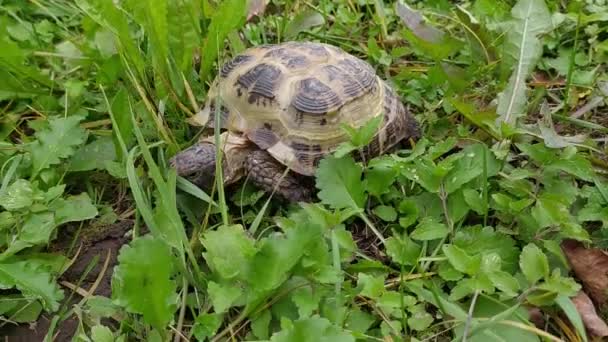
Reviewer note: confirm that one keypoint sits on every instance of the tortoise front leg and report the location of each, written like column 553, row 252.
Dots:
column 266, row 172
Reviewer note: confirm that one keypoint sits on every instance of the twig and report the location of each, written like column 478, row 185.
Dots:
column 467, row 325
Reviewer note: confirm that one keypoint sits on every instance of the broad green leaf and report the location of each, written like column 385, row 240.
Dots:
column 339, row 182
column 420, row 320
column 429, row 229
column 33, row 281
column 475, row 201
column 54, row 192
column 410, row 209
column 229, row 16
column 93, row 156
column 372, row 286
column 386, row 213
column 478, row 240
column 539, row 153
column 20, row 309
column 228, row 250
column 442, row 147
column 490, row 262
column 504, row 282
column 377, row 54
column 18, row 79
column 223, row 295
column 13, row 87
column 279, row 254
column 576, row 165
column 101, row 333
column 394, row 299
column 303, row 21
column 461, row 260
column 184, row 31
column 359, row 321
column 142, row 282
column 470, row 166
column 533, row 263
column 447, row 272
column 74, row 208
column 206, row 325
column 560, row 285
column 380, row 174
column 403, row 250
column 449, row 307
column 314, row 329
column 7, row 220
column 390, row 327
column 522, row 49
column 152, row 16
column 425, row 173
column 457, row 206
column 363, row 135
column 19, row 195
column 462, row 289
column 101, row 307
column 36, row 230
column 57, row 141
column 107, row 14
column 260, row 324
column 551, row 210
column 344, row 149
column 307, row 300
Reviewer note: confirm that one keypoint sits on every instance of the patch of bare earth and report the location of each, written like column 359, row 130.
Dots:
column 97, row 244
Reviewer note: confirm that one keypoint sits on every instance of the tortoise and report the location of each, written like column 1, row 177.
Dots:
column 282, row 105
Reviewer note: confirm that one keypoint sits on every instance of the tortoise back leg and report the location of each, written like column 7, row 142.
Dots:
column 266, row 172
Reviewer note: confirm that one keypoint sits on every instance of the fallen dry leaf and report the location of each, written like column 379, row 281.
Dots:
column 256, row 8
column 595, row 324
column 536, row 317
column 590, row 266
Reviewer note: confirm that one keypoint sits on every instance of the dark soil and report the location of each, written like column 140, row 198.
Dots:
column 96, row 242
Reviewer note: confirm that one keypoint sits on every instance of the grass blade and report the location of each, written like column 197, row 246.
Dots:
column 229, row 16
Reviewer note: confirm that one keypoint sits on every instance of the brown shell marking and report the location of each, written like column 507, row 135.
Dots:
column 315, row 97
column 233, row 63
column 264, row 137
column 261, row 80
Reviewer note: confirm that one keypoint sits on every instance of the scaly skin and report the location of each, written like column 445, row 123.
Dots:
column 266, row 172
column 197, row 163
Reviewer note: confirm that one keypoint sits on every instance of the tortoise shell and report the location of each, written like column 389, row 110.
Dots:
column 291, row 99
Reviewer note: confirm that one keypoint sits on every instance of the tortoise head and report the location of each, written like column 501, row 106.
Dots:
column 197, row 163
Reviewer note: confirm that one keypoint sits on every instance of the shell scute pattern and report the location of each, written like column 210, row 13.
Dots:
column 315, row 97
column 233, row 63
column 261, row 81
column 290, row 99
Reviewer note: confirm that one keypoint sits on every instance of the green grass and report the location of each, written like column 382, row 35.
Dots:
column 452, row 239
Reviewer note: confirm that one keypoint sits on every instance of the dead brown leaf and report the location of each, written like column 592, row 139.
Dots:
column 536, row 317
column 590, row 266
column 595, row 324
column 256, row 8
